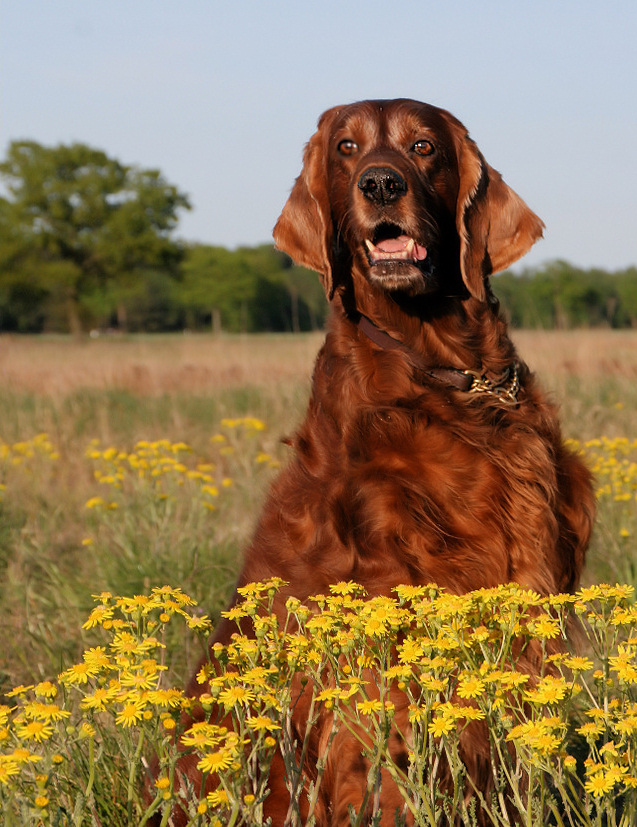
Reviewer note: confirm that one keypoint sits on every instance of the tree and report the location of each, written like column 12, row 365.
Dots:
column 626, row 286
column 248, row 289
column 79, row 224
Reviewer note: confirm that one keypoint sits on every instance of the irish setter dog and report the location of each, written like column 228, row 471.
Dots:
column 428, row 452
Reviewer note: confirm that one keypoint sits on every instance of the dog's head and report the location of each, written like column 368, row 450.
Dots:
column 399, row 190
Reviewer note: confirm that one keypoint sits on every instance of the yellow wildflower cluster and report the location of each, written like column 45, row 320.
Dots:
column 23, row 453
column 163, row 465
column 19, row 452
column 457, row 659
column 119, row 685
column 448, row 661
column 250, row 423
column 614, row 464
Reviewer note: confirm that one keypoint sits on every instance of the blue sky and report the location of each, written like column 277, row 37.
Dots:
column 221, row 96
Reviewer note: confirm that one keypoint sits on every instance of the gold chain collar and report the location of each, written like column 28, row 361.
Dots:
column 505, row 390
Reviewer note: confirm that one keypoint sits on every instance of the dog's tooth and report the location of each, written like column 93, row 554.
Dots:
column 371, row 247
column 410, row 249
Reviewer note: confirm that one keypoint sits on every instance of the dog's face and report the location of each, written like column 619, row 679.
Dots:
column 393, row 186
column 398, row 191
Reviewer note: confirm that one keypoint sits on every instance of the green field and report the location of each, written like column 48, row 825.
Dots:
column 55, row 553
column 130, row 464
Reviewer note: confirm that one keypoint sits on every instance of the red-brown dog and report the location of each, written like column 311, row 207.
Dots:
column 428, row 453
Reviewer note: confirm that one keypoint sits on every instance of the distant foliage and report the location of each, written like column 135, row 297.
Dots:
column 559, row 295
column 79, row 234
column 247, row 290
column 86, row 243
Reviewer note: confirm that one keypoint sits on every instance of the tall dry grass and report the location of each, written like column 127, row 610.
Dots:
column 154, row 365
column 199, row 363
column 169, row 382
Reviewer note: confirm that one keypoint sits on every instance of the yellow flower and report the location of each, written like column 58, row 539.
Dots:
column 130, row 714
column 199, row 624
column 95, row 502
column 79, row 673
column 202, row 734
column 217, row 798
column 544, row 627
column 549, row 690
column 368, row 707
column 624, row 665
column 98, row 616
column 598, row 784
column 215, row 761
column 234, row 613
column 170, row 698
column 41, row 801
column 46, row 689
column 470, row 686
column 23, row 756
column 8, row 769
column 433, row 684
column 259, row 723
column 441, row 725
column 140, row 680
column 19, row 690
column 45, row 712
column 35, row 730
column 578, row 664
column 480, row 634
column 98, row 700
column 590, row 729
column 328, row 694
column 127, row 644
column 410, row 650
column 235, row 695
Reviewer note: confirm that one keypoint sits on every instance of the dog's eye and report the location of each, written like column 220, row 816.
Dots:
column 348, row 147
column 423, row 148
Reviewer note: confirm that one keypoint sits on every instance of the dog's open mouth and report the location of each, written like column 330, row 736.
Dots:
column 391, row 244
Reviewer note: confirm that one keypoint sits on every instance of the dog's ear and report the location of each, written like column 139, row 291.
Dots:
column 304, row 228
column 495, row 226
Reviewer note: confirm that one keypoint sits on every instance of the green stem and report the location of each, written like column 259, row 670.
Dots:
column 91, row 761
column 132, row 774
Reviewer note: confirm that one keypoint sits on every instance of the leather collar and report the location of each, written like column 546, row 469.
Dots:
column 504, row 387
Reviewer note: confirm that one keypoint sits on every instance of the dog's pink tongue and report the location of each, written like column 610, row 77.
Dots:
column 396, row 245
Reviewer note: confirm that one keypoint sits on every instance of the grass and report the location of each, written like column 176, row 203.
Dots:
column 123, row 390
column 188, row 407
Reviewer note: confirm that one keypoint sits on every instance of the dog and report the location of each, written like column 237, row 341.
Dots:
column 428, row 452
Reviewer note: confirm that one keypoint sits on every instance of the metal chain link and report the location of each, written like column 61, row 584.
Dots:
column 503, row 393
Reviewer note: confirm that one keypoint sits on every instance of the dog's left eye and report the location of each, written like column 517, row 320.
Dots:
column 348, row 147
column 423, row 148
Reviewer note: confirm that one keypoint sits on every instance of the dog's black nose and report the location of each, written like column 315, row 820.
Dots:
column 382, row 185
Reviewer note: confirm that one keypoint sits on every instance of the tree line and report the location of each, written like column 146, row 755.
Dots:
column 87, row 242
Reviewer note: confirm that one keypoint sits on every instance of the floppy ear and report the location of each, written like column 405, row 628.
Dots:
column 304, row 228
column 495, row 226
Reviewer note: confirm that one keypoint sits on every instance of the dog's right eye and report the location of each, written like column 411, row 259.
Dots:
column 348, row 147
